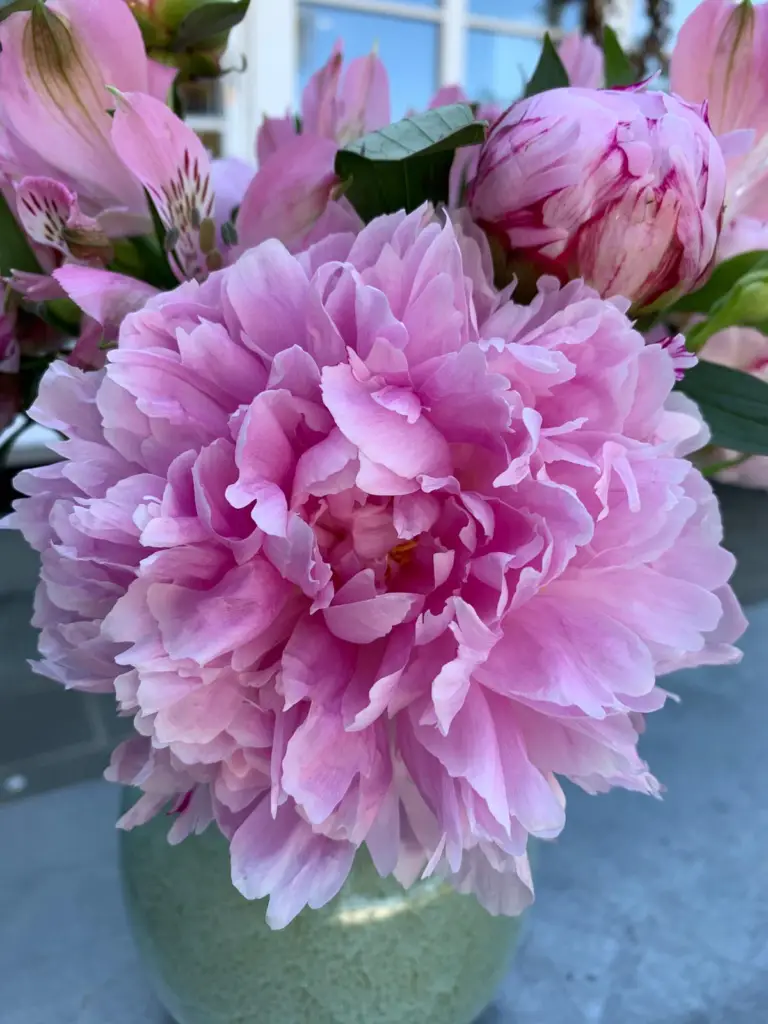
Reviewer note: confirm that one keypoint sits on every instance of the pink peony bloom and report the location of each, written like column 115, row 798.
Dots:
column 584, row 61
column 351, row 537
column 54, row 122
column 623, row 188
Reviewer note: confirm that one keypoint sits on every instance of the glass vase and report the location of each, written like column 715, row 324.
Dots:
column 375, row 955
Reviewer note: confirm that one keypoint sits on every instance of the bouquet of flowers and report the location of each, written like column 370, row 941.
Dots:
column 381, row 501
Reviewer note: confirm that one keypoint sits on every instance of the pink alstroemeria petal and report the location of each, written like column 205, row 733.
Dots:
column 46, row 208
column 106, row 297
column 35, row 287
column 289, row 194
column 172, row 164
column 365, row 99
column 88, row 353
column 55, row 113
column 319, row 102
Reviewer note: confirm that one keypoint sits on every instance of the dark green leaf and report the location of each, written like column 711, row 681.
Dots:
column 721, row 280
column 15, row 251
column 407, row 163
column 550, row 72
column 8, row 7
column 734, row 405
column 207, row 23
column 618, row 67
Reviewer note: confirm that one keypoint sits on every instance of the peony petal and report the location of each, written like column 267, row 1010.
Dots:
column 383, row 436
column 202, row 627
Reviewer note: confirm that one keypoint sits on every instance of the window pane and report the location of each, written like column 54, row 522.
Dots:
column 212, row 142
column 680, row 11
column 408, row 49
column 563, row 13
column 202, row 97
column 498, row 67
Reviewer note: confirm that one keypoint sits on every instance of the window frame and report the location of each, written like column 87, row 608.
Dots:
column 268, row 39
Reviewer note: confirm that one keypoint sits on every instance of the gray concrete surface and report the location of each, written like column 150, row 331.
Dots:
column 647, row 912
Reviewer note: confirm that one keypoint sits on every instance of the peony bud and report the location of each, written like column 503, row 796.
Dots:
column 160, row 18
column 194, row 45
column 622, row 188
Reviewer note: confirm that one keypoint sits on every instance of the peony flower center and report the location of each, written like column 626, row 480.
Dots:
column 401, row 554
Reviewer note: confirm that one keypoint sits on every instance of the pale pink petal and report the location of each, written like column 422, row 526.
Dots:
column 245, row 602
column 289, row 193
column 283, row 859
column 386, row 438
column 170, row 161
column 583, row 60
column 106, row 297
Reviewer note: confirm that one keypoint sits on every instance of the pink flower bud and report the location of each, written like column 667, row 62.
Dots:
column 622, row 188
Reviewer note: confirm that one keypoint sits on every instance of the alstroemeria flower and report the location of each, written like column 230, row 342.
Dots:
column 56, row 64
column 583, row 59
column 170, row 161
column 721, row 58
column 105, row 298
column 291, row 197
column 50, row 214
column 335, row 106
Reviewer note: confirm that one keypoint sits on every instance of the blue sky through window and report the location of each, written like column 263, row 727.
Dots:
column 408, row 48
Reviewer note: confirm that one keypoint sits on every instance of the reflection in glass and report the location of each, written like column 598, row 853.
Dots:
column 201, row 97
column 498, row 67
column 641, row 24
column 212, row 142
column 562, row 13
column 408, row 49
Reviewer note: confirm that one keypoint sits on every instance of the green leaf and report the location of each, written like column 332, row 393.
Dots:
column 407, row 163
column 745, row 305
column 209, row 22
column 618, row 67
column 550, row 72
column 15, row 251
column 734, row 405
column 721, row 280
column 9, row 7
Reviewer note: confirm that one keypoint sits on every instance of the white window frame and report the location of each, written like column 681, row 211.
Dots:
column 269, row 38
